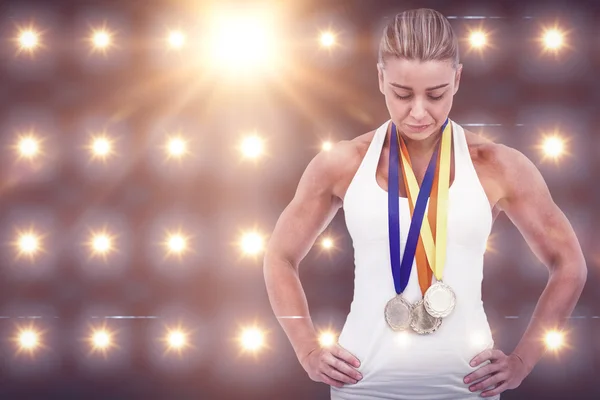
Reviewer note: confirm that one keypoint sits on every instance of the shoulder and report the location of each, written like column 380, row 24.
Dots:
column 332, row 168
column 513, row 172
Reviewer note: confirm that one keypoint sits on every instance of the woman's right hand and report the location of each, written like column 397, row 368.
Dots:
column 332, row 365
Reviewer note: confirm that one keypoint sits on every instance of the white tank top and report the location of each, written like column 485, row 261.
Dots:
column 408, row 365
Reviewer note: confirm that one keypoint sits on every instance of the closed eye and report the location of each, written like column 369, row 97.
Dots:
column 409, row 96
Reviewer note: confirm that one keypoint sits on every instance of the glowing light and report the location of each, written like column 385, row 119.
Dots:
column 176, row 243
column 327, row 243
column 553, row 39
column 27, row 340
column 176, row 39
column 327, row 146
column 246, row 39
column 478, row 39
column 477, row 340
column 101, row 340
column 28, row 147
column 554, row 340
column 402, row 339
column 252, row 243
column 28, row 244
column 101, row 39
column 177, row 339
column 327, row 39
column 101, row 147
column 29, row 39
column 176, row 147
column 252, row 147
column 252, row 339
column 327, row 339
column 554, row 146
column 101, row 243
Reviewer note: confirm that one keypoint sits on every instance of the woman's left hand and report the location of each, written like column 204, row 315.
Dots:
column 503, row 373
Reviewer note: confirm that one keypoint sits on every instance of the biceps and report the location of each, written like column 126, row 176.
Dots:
column 544, row 227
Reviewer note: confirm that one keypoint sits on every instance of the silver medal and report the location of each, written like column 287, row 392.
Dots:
column 439, row 300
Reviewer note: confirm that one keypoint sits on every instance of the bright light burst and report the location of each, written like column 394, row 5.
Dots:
column 553, row 39
column 252, row 339
column 28, row 243
column 101, row 243
column 176, row 39
column 28, row 339
column 554, row 340
column 252, row 147
column 176, row 340
column 28, row 146
column 327, row 39
column 101, row 39
column 176, row 147
column 252, row 243
column 327, row 146
column 29, row 39
column 478, row 39
column 101, row 147
column 242, row 37
column 327, row 339
column 176, row 243
column 327, row 243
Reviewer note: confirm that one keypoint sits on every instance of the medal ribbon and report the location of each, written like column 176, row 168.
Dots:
column 435, row 252
column 423, row 268
column 401, row 269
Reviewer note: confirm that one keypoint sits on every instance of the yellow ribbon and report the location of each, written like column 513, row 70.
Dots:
column 436, row 252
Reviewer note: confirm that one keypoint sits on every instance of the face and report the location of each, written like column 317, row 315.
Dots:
column 418, row 94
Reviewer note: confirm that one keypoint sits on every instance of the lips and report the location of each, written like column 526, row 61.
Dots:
column 418, row 128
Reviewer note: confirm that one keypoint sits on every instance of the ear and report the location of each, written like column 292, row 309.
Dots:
column 380, row 77
column 457, row 77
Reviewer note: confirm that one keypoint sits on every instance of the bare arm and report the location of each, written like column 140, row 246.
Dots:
column 303, row 220
column 529, row 205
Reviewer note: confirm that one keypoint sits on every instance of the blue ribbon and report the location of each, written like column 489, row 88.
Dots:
column 401, row 269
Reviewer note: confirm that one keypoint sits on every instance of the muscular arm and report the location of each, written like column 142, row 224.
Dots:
column 529, row 205
column 303, row 220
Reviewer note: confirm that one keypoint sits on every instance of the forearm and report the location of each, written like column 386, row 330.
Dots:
column 289, row 305
column 552, row 311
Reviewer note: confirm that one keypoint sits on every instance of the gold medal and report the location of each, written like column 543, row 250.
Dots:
column 398, row 313
column 422, row 322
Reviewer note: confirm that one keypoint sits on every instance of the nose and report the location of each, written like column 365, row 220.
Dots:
column 417, row 111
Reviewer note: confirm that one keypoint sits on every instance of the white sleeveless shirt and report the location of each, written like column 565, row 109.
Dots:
column 408, row 365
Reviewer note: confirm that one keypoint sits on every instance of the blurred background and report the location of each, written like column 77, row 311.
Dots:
column 148, row 148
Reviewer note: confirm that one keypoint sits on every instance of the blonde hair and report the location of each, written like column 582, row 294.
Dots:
column 422, row 34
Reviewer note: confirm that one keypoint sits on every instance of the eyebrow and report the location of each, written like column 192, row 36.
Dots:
column 409, row 88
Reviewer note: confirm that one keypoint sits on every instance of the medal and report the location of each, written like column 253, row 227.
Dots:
column 439, row 299
column 398, row 311
column 422, row 322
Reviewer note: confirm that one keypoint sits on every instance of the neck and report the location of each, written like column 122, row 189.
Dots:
column 420, row 148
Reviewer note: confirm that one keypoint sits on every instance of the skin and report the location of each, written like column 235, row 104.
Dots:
column 512, row 185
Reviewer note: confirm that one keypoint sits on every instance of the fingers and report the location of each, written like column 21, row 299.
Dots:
column 488, row 354
column 495, row 391
column 331, row 382
column 345, row 355
column 481, row 372
column 491, row 381
column 341, row 370
column 336, row 367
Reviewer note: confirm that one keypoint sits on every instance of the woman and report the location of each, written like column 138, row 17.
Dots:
column 419, row 73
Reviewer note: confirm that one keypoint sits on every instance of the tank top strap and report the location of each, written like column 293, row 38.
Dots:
column 371, row 159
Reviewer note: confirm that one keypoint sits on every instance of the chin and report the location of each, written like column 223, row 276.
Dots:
column 418, row 133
